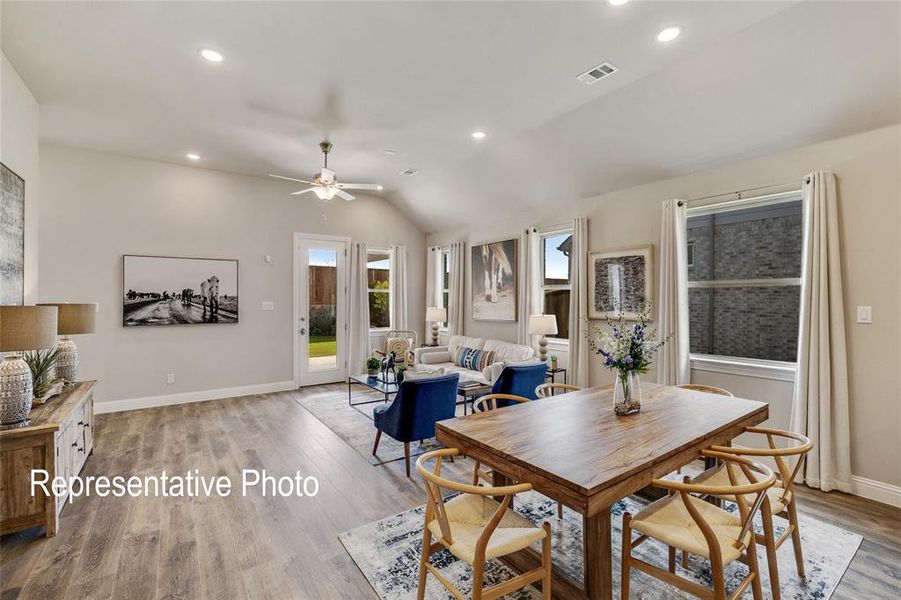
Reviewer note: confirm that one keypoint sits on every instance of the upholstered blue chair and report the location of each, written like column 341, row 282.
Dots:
column 418, row 405
column 519, row 380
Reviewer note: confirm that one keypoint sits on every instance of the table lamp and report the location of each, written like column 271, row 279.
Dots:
column 542, row 325
column 74, row 319
column 21, row 328
column 436, row 315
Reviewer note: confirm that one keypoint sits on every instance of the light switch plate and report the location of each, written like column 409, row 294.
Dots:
column 865, row 314
column 268, row 306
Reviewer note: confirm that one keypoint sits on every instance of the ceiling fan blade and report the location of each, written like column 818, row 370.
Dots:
column 344, row 195
column 299, row 192
column 291, row 179
column 359, row 186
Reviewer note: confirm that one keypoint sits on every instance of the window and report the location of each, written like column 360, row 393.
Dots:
column 379, row 274
column 555, row 283
column 444, row 265
column 744, row 277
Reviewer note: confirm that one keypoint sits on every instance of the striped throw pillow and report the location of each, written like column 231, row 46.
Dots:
column 473, row 358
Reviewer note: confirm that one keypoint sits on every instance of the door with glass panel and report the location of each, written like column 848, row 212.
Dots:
column 320, row 311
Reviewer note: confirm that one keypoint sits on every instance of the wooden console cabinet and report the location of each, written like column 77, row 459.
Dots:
column 59, row 439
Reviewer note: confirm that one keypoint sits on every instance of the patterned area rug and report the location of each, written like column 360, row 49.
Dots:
column 387, row 553
column 353, row 424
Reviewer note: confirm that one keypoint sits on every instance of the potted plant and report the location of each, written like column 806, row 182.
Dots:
column 43, row 373
column 553, row 358
column 628, row 350
column 400, row 373
column 372, row 365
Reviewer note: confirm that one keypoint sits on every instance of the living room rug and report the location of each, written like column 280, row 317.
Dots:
column 387, row 552
column 354, row 424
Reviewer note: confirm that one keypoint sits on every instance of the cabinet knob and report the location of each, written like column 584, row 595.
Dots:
column 82, row 423
column 81, row 450
column 74, row 444
column 87, row 424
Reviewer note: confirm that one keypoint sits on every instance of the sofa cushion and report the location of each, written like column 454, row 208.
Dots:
column 422, row 373
column 472, row 358
column 434, row 358
column 508, row 351
column 457, row 341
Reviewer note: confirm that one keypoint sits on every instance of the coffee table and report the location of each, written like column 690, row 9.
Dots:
column 373, row 383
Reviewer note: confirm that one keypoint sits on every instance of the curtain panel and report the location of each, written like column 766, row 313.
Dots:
column 530, row 283
column 397, row 257
column 578, row 304
column 672, row 301
column 358, row 309
column 456, row 289
column 820, row 401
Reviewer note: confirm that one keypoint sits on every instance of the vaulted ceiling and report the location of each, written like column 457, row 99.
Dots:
column 745, row 78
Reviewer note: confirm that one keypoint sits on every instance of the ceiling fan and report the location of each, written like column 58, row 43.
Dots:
column 324, row 183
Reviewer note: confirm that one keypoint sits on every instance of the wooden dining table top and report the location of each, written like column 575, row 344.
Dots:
column 576, row 440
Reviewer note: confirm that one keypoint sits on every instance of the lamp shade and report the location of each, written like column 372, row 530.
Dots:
column 543, row 324
column 27, row 328
column 436, row 314
column 74, row 318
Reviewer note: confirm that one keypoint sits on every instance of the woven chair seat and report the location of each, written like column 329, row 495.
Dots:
column 719, row 477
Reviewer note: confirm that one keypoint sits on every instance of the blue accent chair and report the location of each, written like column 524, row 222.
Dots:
column 418, row 405
column 519, row 380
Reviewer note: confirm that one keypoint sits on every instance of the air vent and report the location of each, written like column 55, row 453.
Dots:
column 597, row 73
column 409, row 172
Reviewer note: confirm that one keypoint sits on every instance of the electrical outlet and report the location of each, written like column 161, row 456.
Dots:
column 268, row 306
column 865, row 314
column 170, row 378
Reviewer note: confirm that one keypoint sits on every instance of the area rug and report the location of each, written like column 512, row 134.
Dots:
column 387, row 552
column 354, row 424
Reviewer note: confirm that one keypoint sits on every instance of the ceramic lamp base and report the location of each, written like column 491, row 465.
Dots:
column 67, row 361
column 434, row 334
column 16, row 392
column 542, row 348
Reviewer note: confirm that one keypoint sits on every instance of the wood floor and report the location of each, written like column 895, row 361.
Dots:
column 265, row 547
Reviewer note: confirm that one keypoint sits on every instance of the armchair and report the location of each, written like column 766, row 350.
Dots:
column 520, row 380
column 402, row 342
column 418, row 405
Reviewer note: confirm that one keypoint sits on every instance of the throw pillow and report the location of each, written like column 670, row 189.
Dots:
column 473, row 358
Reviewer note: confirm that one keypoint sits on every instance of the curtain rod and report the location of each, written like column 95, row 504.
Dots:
column 740, row 192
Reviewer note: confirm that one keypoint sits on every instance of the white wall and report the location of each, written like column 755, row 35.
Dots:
column 868, row 167
column 97, row 207
column 19, row 152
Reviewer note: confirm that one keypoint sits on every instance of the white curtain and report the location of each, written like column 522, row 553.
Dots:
column 431, row 290
column 530, row 282
column 358, row 318
column 820, row 402
column 672, row 301
column 397, row 258
column 578, row 303
column 456, row 289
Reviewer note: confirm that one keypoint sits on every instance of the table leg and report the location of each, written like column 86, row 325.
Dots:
column 598, row 563
column 348, row 393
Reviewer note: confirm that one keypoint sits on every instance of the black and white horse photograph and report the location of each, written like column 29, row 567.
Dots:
column 494, row 281
column 161, row 290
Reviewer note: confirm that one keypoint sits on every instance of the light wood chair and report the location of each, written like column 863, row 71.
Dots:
column 780, row 499
column 710, row 389
column 546, row 390
column 475, row 526
column 682, row 520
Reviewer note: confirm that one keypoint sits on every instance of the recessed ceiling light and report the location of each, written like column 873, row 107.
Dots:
column 479, row 135
column 192, row 156
column 669, row 34
column 380, row 187
column 616, row 2
column 211, row 55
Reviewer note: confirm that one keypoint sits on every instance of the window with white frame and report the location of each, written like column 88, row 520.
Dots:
column 378, row 267
column 555, row 278
column 744, row 277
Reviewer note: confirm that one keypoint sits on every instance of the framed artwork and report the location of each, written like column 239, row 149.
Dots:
column 619, row 281
column 12, row 237
column 162, row 290
column 494, row 279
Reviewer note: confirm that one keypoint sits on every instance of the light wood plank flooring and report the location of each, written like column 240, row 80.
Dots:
column 258, row 547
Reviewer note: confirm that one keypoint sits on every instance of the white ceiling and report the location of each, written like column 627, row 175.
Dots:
column 745, row 78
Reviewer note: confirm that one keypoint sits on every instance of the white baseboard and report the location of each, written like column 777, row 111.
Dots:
column 188, row 397
column 877, row 490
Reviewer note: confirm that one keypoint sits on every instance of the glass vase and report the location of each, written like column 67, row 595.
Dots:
column 627, row 393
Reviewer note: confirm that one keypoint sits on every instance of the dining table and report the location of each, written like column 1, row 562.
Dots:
column 574, row 449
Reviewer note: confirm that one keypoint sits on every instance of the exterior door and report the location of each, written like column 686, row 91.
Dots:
column 320, row 331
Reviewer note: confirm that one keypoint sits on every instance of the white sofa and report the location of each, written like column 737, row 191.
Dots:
column 440, row 357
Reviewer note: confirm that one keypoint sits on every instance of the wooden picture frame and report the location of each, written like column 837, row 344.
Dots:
column 12, row 237
column 494, row 293
column 620, row 280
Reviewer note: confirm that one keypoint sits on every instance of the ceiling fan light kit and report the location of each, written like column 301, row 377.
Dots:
column 325, row 185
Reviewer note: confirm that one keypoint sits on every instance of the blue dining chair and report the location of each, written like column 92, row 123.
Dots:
column 418, row 405
column 519, row 380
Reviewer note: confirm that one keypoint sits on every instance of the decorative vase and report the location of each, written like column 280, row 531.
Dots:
column 627, row 393
column 67, row 360
column 16, row 392
column 553, row 365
